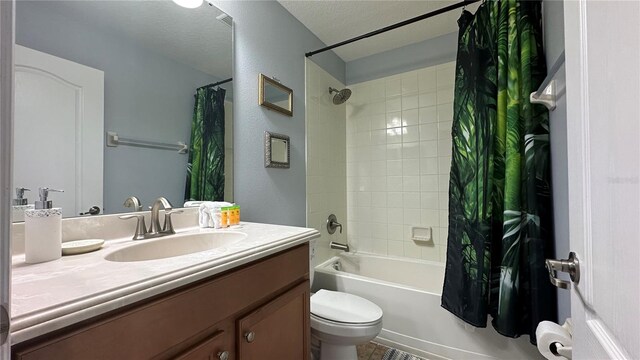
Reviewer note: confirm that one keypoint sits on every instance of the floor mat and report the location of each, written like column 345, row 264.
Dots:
column 395, row 354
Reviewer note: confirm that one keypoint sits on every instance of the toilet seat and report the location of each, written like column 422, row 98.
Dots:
column 343, row 308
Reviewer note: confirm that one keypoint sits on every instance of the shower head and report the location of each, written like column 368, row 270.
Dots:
column 341, row 96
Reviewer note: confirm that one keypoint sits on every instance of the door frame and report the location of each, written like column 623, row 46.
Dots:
column 7, row 23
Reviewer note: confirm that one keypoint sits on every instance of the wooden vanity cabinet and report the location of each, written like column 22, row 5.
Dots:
column 209, row 320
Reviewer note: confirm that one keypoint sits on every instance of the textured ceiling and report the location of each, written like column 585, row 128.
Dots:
column 335, row 21
column 190, row 36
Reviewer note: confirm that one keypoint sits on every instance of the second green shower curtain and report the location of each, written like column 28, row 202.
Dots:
column 205, row 168
column 500, row 220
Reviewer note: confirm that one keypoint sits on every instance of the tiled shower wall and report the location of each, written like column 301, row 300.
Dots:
column 398, row 161
column 326, row 158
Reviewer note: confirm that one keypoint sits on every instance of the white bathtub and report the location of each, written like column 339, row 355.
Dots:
column 408, row 291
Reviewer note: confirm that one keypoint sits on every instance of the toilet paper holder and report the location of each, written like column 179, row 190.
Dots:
column 560, row 350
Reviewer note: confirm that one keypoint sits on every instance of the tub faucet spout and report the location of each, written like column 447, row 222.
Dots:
column 339, row 246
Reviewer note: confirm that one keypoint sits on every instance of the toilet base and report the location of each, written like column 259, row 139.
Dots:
column 334, row 352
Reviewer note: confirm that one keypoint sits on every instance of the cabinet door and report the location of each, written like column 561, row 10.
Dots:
column 277, row 330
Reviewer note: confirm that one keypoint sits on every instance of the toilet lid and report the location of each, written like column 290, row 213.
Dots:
column 342, row 307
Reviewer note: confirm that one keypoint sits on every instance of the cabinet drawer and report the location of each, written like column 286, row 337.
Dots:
column 154, row 327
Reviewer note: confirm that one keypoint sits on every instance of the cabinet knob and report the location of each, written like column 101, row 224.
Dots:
column 250, row 336
column 223, row 355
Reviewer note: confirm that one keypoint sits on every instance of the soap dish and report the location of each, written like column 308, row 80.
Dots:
column 81, row 246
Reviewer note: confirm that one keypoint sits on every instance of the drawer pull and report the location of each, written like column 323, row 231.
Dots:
column 250, row 336
column 223, row 355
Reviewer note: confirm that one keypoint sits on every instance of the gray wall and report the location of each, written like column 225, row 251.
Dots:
column 269, row 40
column 554, row 46
column 146, row 96
column 431, row 52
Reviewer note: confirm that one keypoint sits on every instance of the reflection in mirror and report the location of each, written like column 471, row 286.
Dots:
column 276, row 150
column 152, row 72
column 275, row 96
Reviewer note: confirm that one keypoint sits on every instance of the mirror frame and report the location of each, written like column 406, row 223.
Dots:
column 261, row 95
column 268, row 162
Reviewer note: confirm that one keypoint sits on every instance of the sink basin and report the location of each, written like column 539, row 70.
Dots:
column 175, row 245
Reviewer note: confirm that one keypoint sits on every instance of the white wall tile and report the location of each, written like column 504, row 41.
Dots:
column 395, row 248
column 429, row 148
column 429, row 182
column 393, row 87
column 378, row 137
column 410, row 167
column 428, row 132
column 394, row 183
column 427, row 79
column 445, row 95
column 410, row 134
column 410, row 117
column 410, row 82
column 411, row 150
column 428, row 99
column 393, row 120
column 429, row 166
column 394, row 152
column 411, row 200
column 427, row 115
column 445, row 112
column 410, row 183
column 395, row 199
column 394, row 104
column 395, row 232
column 398, row 153
column 378, row 121
column 429, row 201
column 394, row 167
column 411, row 217
column 410, row 102
column 395, row 216
column 394, row 136
column 379, row 199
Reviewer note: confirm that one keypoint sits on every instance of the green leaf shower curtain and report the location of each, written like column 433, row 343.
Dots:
column 205, row 169
column 500, row 219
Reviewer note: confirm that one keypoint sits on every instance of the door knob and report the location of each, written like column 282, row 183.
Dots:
column 223, row 355
column 570, row 265
column 250, row 336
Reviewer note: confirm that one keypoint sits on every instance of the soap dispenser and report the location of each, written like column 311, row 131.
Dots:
column 20, row 204
column 43, row 230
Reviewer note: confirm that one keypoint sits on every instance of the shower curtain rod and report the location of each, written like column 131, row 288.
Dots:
column 217, row 83
column 394, row 26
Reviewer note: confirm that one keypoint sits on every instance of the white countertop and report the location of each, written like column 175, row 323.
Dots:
column 51, row 295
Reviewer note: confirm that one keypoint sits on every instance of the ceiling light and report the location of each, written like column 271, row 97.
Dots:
column 189, row 4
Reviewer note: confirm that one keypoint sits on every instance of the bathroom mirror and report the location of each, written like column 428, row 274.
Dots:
column 276, row 150
column 136, row 69
column 275, row 96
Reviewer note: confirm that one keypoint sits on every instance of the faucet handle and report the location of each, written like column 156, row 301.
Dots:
column 167, row 228
column 141, row 227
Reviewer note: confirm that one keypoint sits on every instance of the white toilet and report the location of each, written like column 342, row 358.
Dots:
column 340, row 321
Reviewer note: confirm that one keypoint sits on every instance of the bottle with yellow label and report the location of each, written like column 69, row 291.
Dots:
column 224, row 217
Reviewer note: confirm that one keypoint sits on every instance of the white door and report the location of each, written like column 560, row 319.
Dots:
column 602, row 45
column 58, row 129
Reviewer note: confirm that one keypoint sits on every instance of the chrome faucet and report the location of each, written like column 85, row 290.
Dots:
column 154, row 230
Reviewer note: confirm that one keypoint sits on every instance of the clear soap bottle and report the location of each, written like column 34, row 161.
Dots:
column 43, row 230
